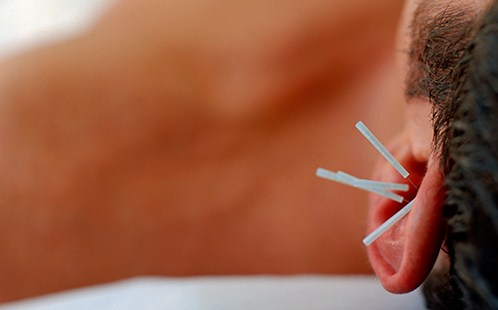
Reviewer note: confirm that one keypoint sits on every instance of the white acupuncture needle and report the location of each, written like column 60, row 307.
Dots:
column 339, row 177
column 387, row 224
column 347, row 179
column 326, row 174
column 376, row 143
column 381, row 185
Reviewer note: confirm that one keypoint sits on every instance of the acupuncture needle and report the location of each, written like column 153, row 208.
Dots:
column 366, row 185
column 347, row 179
column 387, row 224
column 383, row 151
column 350, row 180
column 381, row 185
column 388, row 156
column 356, row 182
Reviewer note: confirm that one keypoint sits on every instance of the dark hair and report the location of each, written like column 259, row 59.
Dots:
column 466, row 133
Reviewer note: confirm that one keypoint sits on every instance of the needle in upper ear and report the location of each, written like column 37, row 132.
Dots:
column 372, row 186
column 383, row 151
column 381, row 185
column 351, row 180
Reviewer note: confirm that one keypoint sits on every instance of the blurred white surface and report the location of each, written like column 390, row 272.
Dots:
column 234, row 293
column 25, row 24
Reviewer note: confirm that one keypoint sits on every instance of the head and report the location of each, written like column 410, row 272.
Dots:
column 450, row 144
column 467, row 137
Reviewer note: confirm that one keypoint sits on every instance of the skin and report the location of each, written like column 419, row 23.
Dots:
column 413, row 146
column 167, row 142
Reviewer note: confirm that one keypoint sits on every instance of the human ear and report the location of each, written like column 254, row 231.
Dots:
column 405, row 254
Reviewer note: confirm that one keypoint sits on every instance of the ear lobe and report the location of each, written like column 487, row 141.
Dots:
column 405, row 254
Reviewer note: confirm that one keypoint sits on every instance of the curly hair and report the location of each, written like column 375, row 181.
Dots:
column 466, row 136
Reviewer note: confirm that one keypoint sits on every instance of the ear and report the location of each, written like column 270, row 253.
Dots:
column 404, row 255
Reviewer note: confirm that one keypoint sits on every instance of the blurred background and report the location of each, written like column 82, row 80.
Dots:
column 27, row 24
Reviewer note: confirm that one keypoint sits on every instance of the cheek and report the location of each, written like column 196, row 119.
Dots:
column 419, row 128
